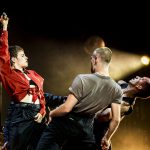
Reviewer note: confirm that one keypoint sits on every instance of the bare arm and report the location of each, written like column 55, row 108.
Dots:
column 104, row 116
column 65, row 108
column 114, row 123
column 4, row 54
column 121, row 82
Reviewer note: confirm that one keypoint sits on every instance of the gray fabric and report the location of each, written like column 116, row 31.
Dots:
column 94, row 92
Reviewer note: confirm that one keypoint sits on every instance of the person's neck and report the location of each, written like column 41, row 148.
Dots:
column 18, row 68
column 103, row 72
column 128, row 92
column 128, row 95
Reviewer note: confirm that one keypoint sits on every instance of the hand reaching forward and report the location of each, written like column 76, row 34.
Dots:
column 105, row 144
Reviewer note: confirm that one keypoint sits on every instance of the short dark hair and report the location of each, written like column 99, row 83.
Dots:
column 13, row 50
column 145, row 92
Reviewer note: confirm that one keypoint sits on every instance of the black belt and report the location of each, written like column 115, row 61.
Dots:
column 25, row 105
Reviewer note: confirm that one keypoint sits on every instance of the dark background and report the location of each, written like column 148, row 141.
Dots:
column 53, row 33
column 123, row 25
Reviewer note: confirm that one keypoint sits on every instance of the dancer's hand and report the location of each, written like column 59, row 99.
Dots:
column 38, row 118
column 4, row 147
column 105, row 144
column 4, row 21
column 49, row 119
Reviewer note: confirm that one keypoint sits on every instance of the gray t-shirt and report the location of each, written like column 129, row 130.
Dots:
column 94, row 93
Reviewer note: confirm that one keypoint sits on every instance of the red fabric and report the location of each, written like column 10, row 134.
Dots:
column 35, row 93
column 13, row 80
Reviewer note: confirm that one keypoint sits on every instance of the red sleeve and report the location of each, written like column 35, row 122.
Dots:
column 42, row 103
column 4, row 53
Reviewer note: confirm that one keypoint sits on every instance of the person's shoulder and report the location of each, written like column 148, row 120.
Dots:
column 84, row 75
column 116, row 88
column 32, row 72
column 116, row 84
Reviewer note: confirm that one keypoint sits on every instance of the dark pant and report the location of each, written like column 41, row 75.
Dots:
column 68, row 127
column 100, row 129
column 20, row 127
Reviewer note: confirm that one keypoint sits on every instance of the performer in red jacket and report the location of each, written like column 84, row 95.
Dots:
column 25, row 87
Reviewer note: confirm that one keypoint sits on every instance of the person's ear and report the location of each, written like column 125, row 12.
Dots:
column 96, row 59
column 13, row 59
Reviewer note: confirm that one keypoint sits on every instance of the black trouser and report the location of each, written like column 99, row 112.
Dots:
column 68, row 127
column 20, row 127
column 7, row 124
column 100, row 128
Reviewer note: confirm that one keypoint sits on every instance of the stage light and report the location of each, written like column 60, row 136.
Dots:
column 124, row 64
column 145, row 60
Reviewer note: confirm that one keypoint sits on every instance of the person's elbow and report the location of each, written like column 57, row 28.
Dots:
column 66, row 109
column 116, row 120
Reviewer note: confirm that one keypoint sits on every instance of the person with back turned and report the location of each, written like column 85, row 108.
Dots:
column 89, row 93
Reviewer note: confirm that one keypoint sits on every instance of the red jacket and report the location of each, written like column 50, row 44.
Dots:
column 13, row 80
